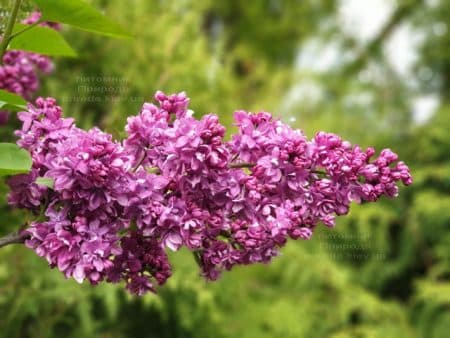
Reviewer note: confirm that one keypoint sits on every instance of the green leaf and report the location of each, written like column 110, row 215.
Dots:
column 46, row 182
column 82, row 15
column 42, row 40
column 12, row 102
column 13, row 160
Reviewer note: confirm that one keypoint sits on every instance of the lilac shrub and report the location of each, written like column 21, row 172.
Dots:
column 115, row 207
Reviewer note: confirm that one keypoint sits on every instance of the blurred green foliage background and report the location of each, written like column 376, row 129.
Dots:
column 384, row 271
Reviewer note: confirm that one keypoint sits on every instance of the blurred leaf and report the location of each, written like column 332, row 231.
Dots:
column 13, row 160
column 82, row 15
column 432, row 291
column 12, row 102
column 42, row 40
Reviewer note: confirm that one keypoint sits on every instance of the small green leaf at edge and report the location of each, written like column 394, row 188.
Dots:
column 41, row 40
column 45, row 182
column 81, row 15
column 11, row 102
column 14, row 160
column 11, row 108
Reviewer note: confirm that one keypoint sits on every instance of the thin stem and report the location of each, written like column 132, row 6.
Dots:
column 28, row 27
column 136, row 167
column 241, row 165
column 157, row 171
column 319, row 172
column 9, row 27
column 12, row 238
column 251, row 165
column 197, row 258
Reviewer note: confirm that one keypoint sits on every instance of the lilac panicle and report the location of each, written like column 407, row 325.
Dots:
column 19, row 70
column 115, row 208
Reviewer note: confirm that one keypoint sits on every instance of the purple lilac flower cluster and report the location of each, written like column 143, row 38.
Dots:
column 116, row 207
column 19, row 69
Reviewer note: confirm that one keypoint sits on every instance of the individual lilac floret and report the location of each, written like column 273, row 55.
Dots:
column 173, row 104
